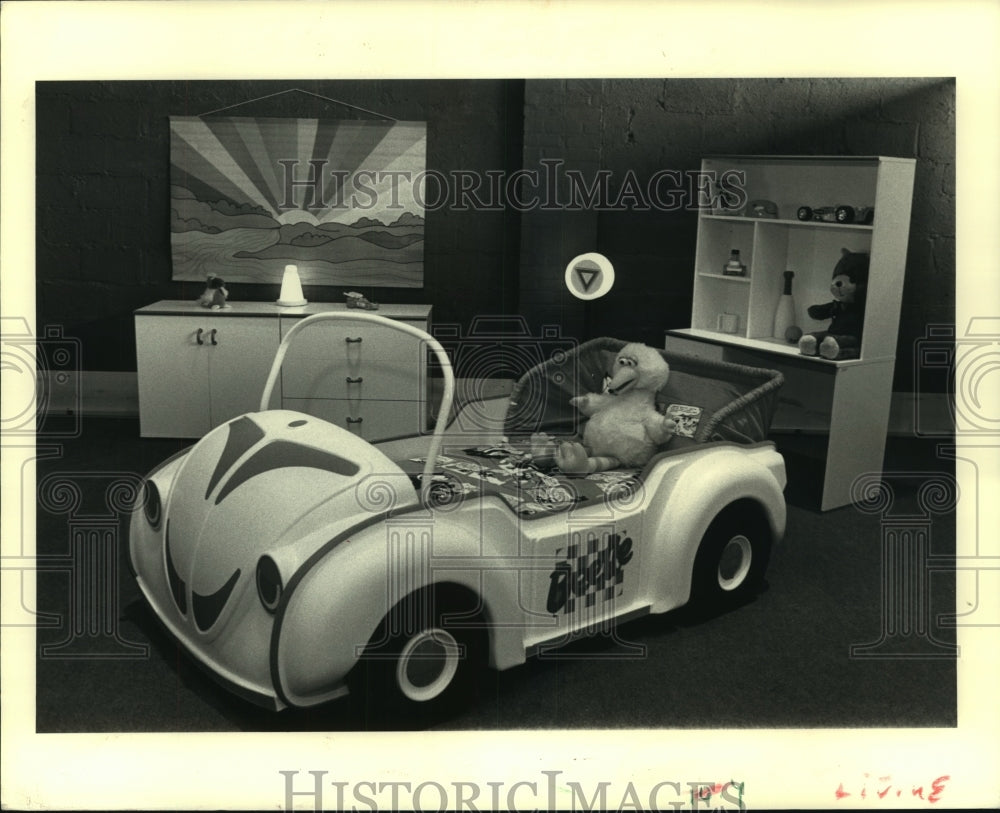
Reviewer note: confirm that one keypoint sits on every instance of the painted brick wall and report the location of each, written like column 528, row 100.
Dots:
column 103, row 163
column 103, row 245
column 642, row 126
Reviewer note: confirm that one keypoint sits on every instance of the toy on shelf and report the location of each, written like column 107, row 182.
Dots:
column 215, row 294
column 734, row 266
column 357, row 300
column 762, row 208
column 842, row 340
column 624, row 426
column 838, row 214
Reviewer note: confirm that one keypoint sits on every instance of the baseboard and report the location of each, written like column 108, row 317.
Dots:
column 93, row 393
column 924, row 414
column 117, row 394
column 474, row 389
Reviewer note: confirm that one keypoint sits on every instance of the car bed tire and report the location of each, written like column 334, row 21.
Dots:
column 731, row 560
column 423, row 662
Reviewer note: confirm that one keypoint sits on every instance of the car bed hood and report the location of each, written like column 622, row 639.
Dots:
column 258, row 484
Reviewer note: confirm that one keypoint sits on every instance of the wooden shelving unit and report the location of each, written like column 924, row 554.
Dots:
column 847, row 398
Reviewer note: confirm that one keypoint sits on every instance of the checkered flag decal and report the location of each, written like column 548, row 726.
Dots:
column 591, row 570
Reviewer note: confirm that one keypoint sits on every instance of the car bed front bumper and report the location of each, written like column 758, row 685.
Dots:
column 259, row 695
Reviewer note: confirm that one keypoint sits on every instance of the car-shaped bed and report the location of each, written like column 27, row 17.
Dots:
column 297, row 562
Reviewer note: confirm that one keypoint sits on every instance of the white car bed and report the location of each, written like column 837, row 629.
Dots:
column 297, row 562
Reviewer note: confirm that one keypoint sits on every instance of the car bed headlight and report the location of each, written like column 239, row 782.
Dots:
column 269, row 584
column 152, row 505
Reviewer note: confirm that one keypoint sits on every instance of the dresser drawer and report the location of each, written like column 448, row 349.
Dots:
column 371, row 420
column 338, row 360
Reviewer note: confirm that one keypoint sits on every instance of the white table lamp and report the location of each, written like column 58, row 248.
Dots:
column 291, row 288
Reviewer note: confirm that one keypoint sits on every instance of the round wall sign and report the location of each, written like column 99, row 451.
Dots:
column 590, row 276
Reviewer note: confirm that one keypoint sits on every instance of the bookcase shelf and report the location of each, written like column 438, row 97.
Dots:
column 732, row 317
column 767, row 344
column 726, row 277
column 810, row 224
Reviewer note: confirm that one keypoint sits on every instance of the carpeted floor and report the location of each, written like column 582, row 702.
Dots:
column 783, row 660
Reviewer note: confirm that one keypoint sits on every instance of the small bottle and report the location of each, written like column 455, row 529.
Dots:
column 734, row 268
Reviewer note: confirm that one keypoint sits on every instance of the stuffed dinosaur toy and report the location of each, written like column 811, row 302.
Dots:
column 624, row 426
column 842, row 339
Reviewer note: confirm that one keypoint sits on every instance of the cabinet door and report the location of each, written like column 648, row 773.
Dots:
column 240, row 351
column 172, row 371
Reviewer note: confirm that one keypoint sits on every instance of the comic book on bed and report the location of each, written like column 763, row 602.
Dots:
column 509, row 471
column 710, row 401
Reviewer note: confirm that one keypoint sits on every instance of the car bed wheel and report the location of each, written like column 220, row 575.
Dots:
column 428, row 664
column 422, row 662
column 731, row 561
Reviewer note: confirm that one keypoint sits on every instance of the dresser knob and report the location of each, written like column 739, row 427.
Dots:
column 357, row 380
column 197, row 336
column 354, row 420
column 212, row 334
column 349, row 340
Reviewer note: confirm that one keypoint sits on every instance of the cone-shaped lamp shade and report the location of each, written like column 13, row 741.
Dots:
column 291, row 288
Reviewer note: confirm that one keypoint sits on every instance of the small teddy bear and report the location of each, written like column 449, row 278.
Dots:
column 624, row 426
column 215, row 294
column 842, row 339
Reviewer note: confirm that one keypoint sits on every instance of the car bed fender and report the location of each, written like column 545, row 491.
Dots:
column 336, row 600
column 691, row 496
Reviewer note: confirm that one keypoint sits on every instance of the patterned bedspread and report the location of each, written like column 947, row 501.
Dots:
column 508, row 471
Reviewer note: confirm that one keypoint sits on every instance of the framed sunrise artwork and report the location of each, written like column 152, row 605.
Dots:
column 341, row 199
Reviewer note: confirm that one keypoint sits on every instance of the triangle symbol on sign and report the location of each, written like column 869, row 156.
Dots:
column 587, row 276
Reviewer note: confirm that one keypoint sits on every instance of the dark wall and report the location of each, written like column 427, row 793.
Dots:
column 103, row 170
column 103, row 160
column 642, row 126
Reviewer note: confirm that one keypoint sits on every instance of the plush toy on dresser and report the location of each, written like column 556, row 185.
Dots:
column 842, row 339
column 215, row 294
column 624, row 426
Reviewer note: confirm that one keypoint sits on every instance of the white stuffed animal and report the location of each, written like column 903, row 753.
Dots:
column 624, row 426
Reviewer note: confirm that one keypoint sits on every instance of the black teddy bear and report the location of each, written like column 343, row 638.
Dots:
column 842, row 339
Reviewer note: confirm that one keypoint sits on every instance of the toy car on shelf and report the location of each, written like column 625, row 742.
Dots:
column 762, row 208
column 838, row 214
column 297, row 562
